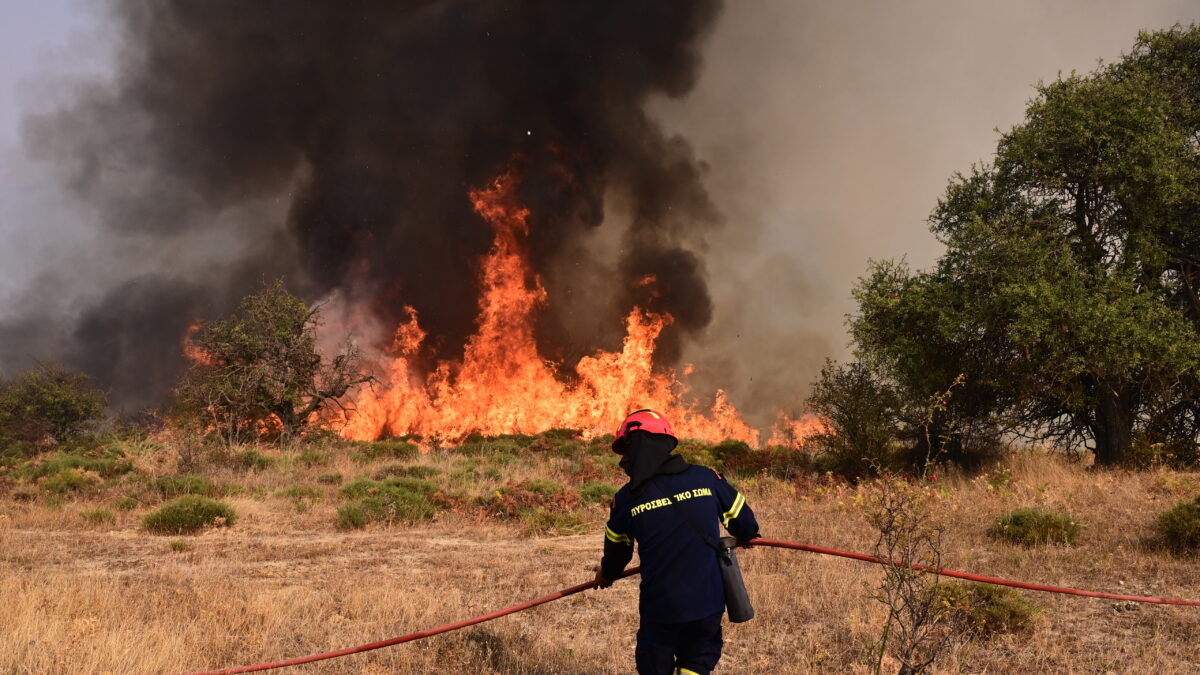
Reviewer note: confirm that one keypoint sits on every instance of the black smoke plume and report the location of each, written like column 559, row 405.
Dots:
column 335, row 141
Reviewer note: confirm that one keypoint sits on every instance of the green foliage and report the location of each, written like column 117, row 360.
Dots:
column 596, row 492
column 48, row 404
column 253, row 460
column 180, row 546
column 863, row 410
column 504, row 446
column 1032, row 527
column 406, row 471
column 330, row 479
column 542, row 487
column 169, row 487
column 106, row 467
column 312, row 458
column 984, row 610
column 404, row 500
column 362, row 487
column 68, row 481
column 1180, row 526
column 540, row 521
column 1067, row 289
column 189, row 514
column 259, row 371
column 373, row 451
column 126, row 504
column 353, row 515
column 99, row 516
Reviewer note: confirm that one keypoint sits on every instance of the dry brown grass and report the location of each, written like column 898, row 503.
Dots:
column 87, row 598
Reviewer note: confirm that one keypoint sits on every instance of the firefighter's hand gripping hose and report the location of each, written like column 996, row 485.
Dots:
column 772, row 543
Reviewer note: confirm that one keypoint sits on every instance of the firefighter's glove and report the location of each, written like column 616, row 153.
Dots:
column 601, row 580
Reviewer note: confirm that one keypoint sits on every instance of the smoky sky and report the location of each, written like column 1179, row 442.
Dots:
column 334, row 143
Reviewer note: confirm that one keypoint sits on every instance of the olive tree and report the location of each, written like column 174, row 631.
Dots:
column 258, row 372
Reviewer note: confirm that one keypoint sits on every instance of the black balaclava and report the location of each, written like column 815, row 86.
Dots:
column 648, row 455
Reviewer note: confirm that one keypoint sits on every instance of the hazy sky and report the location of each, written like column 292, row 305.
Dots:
column 831, row 128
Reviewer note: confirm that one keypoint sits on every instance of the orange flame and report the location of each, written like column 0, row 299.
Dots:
column 194, row 353
column 502, row 385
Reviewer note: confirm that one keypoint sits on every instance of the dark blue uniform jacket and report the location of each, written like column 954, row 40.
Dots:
column 680, row 577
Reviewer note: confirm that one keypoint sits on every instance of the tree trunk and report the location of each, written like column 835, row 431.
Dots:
column 1113, row 426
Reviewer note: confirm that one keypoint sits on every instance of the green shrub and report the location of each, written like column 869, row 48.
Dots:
column 777, row 461
column 542, row 487
column 330, row 479
column 49, row 402
column 506, row 447
column 406, row 471
column 169, row 487
column 106, row 467
column 562, row 434
column 596, row 492
column 863, row 408
column 253, row 460
column 1036, row 526
column 312, row 458
column 99, row 516
column 983, row 609
column 361, row 487
column 1180, row 526
column 392, row 448
column 543, row 521
column 179, row 546
column 68, row 480
column 189, row 514
column 126, row 504
column 388, row 504
column 730, row 450
column 353, row 515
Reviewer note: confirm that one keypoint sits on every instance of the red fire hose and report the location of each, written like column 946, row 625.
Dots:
column 635, row 570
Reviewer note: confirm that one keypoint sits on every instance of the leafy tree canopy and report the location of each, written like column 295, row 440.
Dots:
column 258, row 371
column 1068, row 289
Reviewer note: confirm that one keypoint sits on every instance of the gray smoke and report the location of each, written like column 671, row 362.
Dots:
column 334, row 143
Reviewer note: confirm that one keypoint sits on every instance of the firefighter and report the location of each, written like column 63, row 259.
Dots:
column 671, row 509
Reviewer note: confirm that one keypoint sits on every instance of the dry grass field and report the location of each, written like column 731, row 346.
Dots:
column 86, row 589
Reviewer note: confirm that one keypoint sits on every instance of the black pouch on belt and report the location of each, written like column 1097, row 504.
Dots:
column 737, row 599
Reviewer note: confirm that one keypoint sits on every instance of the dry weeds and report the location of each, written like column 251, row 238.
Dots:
column 285, row 581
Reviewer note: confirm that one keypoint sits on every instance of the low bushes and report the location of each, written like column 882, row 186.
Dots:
column 188, row 514
column 69, row 480
column 406, row 471
column 1032, row 527
column 395, row 500
column 169, row 487
column 983, row 610
column 373, row 451
column 99, row 516
column 1180, row 526
column 596, row 492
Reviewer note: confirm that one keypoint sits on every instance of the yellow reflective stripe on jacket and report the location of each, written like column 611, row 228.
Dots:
column 617, row 538
column 685, row 671
column 734, row 510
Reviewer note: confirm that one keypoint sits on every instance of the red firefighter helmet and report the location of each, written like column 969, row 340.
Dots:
column 641, row 420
